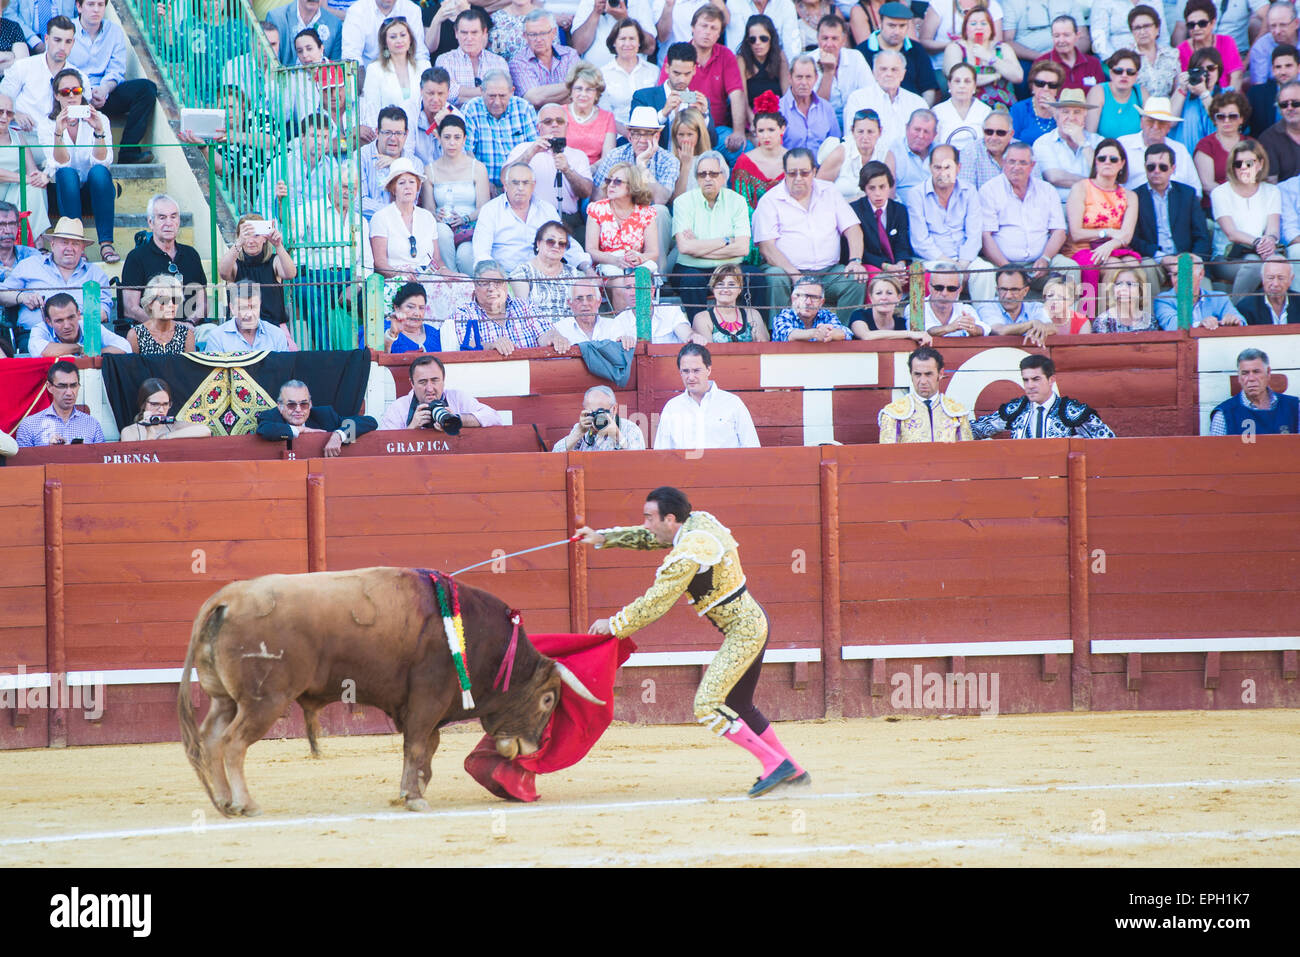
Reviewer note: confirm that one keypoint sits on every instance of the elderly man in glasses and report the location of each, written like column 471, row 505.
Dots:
column 982, row 161
column 295, row 414
column 392, row 143
column 1157, row 119
column 163, row 254
column 1282, row 140
column 944, row 315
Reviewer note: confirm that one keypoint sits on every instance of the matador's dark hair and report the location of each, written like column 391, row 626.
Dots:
column 671, row 501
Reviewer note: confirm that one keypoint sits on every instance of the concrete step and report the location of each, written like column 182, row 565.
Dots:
column 138, row 183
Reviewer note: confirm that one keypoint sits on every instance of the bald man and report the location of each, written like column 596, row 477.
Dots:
column 568, row 166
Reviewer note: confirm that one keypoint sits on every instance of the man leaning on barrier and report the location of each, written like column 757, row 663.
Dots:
column 295, row 414
column 600, row 428
column 419, row 408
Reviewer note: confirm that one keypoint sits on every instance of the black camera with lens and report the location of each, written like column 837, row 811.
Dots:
column 599, row 419
column 442, row 417
column 558, row 143
column 1195, row 75
column 158, row 420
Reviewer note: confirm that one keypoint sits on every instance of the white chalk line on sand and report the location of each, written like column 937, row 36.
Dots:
column 224, row 826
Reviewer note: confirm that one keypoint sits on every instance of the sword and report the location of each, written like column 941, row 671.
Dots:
column 535, row 548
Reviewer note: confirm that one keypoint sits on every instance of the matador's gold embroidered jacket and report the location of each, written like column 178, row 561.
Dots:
column 909, row 420
column 704, row 562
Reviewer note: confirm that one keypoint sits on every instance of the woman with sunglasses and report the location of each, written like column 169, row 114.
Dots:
column 543, row 282
column 1035, row 116
column 621, row 229
column 1194, row 93
column 80, row 159
column 1158, row 67
column 1101, row 216
column 1248, row 211
column 394, row 77
column 1119, row 99
column 161, row 334
column 763, row 63
column 1230, row 111
column 1201, row 19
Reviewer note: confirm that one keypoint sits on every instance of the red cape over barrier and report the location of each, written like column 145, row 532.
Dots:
column 21, row 382
column 576, row 725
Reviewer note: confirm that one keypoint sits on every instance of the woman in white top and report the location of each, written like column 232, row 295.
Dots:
column 961, row 111
column 79, row 161
column 38, row 219
column 403, row 238
column 455, row 191
column 841, row 161
column 1249, row 213
column 394, row 78
column 627, row 73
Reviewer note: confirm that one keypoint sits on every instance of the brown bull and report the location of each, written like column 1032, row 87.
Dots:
column 375, row 632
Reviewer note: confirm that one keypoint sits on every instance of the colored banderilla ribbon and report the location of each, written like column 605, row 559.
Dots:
column 454, row 626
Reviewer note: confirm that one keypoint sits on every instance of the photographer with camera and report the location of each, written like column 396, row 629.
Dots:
column 600, row 428
column 563, row 172
column 154, row 418
column 430, row 405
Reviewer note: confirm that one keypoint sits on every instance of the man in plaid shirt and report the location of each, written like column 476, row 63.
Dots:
column 805, row 319
column 497, row 122
column 469, row 63
column 496, row 320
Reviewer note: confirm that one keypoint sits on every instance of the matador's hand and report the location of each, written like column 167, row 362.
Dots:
column 589, row 536
column 600, row 627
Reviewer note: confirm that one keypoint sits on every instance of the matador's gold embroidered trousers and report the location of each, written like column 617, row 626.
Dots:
column 745, row 626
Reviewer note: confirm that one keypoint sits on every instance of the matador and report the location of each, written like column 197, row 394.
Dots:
column 704, row 563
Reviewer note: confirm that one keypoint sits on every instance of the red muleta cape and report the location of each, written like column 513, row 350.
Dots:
column 575, row 726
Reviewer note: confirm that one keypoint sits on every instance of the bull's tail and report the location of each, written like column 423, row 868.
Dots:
column 205, row 630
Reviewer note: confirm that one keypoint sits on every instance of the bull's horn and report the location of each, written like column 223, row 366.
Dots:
column 576, row 686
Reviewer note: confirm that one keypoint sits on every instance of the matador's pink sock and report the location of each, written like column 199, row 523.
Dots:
column 769, row 738
column 744, row 736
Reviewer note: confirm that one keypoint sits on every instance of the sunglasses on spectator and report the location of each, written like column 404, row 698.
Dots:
column 1243, row 163
column 798, row 173
column 1123, row 71
column 1108, row 159
column 988, row 132
column 617, row 181
column 866, row 115
column 414, row 246
column 1224, row 117
column 1144, row 25
column 555, row 243
column 304, row 404
column 1288, row 104
column 754, row 38
column 940, row 288
column 708, row 173
column 1047, row 85
column 1197, row 24
column 71, row 91
column 1162, row 167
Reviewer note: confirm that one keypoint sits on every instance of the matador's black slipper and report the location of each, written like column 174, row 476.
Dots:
column 784, row 771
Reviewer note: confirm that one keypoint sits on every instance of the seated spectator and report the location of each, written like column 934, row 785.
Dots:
column 1111, row 27
column 943, row 24
column 1036, row 116
column 1274, row 306
column 154, row 419
column 792, row 227
column 690, row 139
column 408, row 331
column 428, row 391
column 1262, row 96
column 620, row 228
column 162, row 334
column 895, row 32
column 469, row 64
column 761, row 168
column 586, row 323
column 805, row 320
column 543, row 282
column 1118, row 100
column 79, row 162
column 1290, row 190
column 808, row 120
column 1126, row 303
column 668, row 323
column 944, row 315
column 1193, row 96
column 881, row 319
column 893, row 103
column 11, row 187
column 298, row 15
column 1281, row 141
column 1041, row 413
column 507, row 225
column 1209, row 309
column 1010, row 315
column 1249, row 213
column 427, row 111
column 1257, row 409
column 11, row 251
column 294, row 414
column 457, row 189
column 1282, row 28
column 718, row 80
column 1082, row 70
column 592, row 29
column 562, row 171
column 996, row 65
column 961, row 112
column 1065, row 155
column 362, row 25
column 508, row 27
column 1157, row 60
column 1023, row 221
column 1157, row 119
column 394, row 77
column 61, row 333
column 1230, row 111
column 99, row 53
column 1060, row 297
column 842, row 160
column 643, row 149
column 674, row 93
column 259, row 255
column 711, row 228
column 1102, row 216
column 245, row 331
column 628, row 72
column 162, row 253
column 541, row 70
column 63, row 269
column 497, row 122
column 1201, row 17
column 496, row 320
column 13, row 45
column 703, row 416
column 728, row 320
column 925, row 414
column 910, row 156
column 1169, row 219
column 62, row 422
column 762, row 56
column 945, row 219
column 886, row 231
column 600, row 428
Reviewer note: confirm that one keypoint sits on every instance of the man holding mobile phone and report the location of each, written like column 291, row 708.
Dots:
column 62, row 422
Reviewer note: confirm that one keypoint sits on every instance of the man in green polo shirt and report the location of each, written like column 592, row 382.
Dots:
column 711, row 227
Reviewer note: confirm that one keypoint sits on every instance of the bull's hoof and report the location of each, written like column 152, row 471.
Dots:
column 417, row 804
column 245, row 810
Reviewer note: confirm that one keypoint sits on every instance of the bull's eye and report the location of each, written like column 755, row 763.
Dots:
column 548, row 701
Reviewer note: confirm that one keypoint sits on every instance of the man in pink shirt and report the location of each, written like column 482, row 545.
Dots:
column 718, row 80
column 429, row 394
column 1082, row 70
column 793, row 228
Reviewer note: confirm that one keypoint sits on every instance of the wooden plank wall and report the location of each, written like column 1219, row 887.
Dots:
column 22, row 600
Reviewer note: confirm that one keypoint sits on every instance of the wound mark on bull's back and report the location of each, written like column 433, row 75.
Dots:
column 263, row 653
column 370, row 603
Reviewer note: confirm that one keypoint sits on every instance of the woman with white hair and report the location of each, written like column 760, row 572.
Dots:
column 162, row 334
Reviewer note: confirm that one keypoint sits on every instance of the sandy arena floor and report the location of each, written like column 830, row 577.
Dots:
column 1151, row 789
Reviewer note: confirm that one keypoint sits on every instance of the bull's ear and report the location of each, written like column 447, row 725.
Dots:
column 576, row 686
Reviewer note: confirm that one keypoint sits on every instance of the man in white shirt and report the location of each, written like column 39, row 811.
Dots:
column 361, row 28
column 944, row 315
column 1065, row 154
column 703, row 416
column 893, row 104
column 29, row 82
column 507, row 225
column 587, row 324
column 841, row 70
